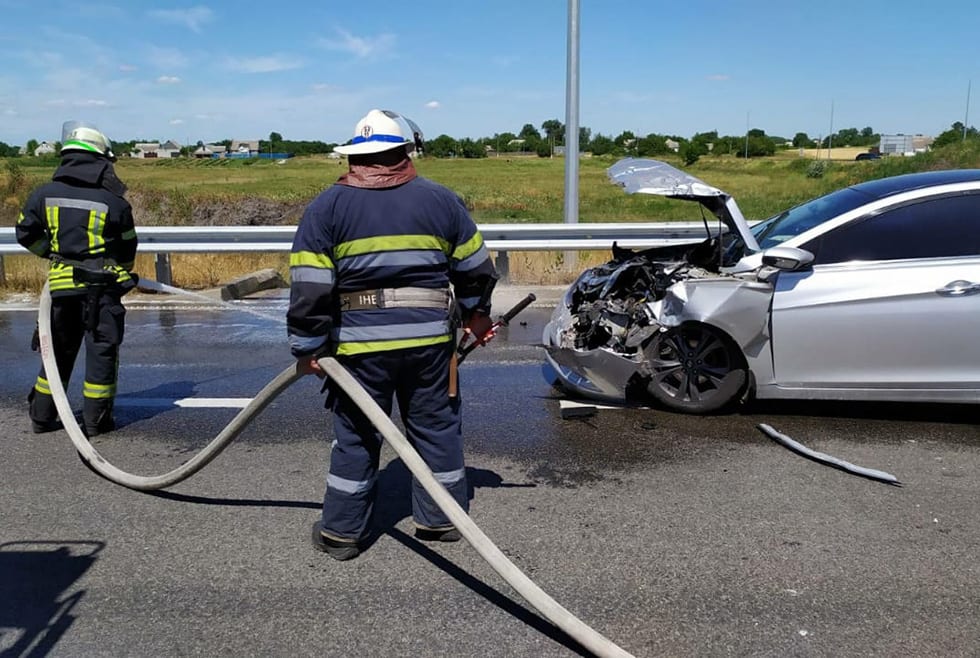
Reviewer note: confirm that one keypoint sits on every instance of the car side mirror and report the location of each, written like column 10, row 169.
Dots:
column 787, row 259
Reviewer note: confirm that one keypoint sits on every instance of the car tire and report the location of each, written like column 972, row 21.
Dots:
column 695, row 368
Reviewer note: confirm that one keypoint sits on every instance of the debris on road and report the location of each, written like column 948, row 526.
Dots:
column 828, row 460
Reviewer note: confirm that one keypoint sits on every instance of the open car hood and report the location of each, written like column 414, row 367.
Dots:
column 644, row 176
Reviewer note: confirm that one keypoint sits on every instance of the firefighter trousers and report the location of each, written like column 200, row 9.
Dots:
column 418, row 379
column 68, row 330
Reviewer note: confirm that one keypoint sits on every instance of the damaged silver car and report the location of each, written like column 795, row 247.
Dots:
column 871, row 292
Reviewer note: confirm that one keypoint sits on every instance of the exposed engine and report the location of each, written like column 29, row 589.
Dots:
column 610, row 304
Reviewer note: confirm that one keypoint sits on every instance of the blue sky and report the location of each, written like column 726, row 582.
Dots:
column 223, row 69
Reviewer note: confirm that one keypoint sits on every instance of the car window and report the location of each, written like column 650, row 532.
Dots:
column 934, row 228
column 805, row 216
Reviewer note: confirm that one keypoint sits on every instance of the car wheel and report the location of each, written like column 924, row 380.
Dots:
column 695, row 368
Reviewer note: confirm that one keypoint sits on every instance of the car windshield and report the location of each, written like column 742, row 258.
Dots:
column 805, row 216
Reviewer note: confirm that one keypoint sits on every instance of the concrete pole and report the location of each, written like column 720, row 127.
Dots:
column 571, row 122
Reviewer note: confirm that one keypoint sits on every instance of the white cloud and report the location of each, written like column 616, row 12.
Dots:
column 168, row 79
column 193, row 18
column 176, row 122
column 267, row 64
column 362, row 47
column 90, row 102
column 433, row 105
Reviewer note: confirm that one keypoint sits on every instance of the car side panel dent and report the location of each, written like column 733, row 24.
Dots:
column 740, row 307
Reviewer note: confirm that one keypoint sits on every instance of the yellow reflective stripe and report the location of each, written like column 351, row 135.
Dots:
column 390, row 243
column 52, row 217
column 21, row 218
column 469, row 247
column 385, row 345
column 42, row 386
column 60, row 277
column 122, row 274
column 98, row 391
column 96, row 224
column 309, row 259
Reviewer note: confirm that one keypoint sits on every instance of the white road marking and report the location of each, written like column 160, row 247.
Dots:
column 196, row 403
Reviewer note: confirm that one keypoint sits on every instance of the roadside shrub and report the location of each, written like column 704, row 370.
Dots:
column 816, row 169
column 15, row 187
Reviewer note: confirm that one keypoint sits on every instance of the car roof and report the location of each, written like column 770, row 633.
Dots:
column 897, row 184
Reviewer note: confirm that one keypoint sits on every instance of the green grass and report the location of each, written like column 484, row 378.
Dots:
column 496, row 190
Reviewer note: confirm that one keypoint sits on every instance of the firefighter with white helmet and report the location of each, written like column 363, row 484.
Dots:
column 374, row 265
column 82, row 223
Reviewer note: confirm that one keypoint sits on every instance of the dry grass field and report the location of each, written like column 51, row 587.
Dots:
column 841, row 154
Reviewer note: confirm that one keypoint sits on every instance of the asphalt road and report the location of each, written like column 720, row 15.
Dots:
column 671, row 535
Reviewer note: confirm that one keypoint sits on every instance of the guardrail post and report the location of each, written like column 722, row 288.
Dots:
column 164, row 275
column 3, row 273
column 503, row 266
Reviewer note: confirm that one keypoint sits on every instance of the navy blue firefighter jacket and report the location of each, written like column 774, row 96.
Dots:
column 355, row 239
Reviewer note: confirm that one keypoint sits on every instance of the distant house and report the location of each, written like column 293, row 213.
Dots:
column 244, row 148
column 44, row 148
column 905, row 144
column 921, row 143
column 672, row 145
column 210, row 151
column 150, row 150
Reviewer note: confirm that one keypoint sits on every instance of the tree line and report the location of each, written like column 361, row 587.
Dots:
column 549, row 140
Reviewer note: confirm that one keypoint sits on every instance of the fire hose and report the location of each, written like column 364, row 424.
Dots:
column 547, row 606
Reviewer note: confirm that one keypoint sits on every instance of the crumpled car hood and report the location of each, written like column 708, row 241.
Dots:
column 645, row 176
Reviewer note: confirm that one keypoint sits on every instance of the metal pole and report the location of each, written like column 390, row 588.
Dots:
column 571, row 116
column 746, row 135
column 966, row 119
column 830, row 135
column 571, row 125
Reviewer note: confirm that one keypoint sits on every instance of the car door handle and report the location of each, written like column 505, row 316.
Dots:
column 959, row 288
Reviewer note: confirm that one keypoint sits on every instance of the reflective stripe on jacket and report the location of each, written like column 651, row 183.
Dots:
column 75, row 218
column 350, row 239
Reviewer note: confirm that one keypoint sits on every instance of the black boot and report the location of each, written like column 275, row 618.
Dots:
column 338, row 549
column 97, row 417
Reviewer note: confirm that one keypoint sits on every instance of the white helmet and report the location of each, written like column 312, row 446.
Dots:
column 382, row 130
column 81, row 136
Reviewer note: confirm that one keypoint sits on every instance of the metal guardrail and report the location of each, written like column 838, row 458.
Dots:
column 499, row 238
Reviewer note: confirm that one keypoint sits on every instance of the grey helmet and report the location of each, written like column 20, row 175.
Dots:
column 81, row 136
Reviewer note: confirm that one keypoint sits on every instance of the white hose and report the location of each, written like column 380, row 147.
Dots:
column 106, row 469
column 537, row 597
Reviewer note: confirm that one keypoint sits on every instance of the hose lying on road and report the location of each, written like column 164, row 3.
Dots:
column 106, row 469
column 547, row 606
column 828, row 460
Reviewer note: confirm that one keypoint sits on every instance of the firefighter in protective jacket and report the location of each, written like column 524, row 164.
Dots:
column 82, row 224
column 375, row 263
